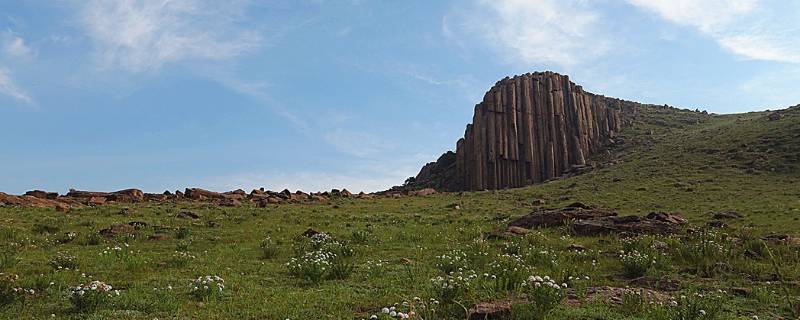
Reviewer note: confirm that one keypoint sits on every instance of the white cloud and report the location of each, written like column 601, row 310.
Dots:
column 9, row 88
column 754, row 29
column 564, row 32
column 15, row 46
column 144, row 35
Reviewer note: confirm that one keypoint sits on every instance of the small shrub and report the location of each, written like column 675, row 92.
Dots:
column 268, row 248
column 93, row 238
column 207, row 287
column 375, row 268
column 183, row 245
column 544, row 294
column 453, row 287
column 67, row 237
column 360, row 237
column 696, row 306
column 508, row 272
column 8, row 258
column 340, row 269
column 181, row 259
column 9, row 292
column 182, row 233
column 453, row 261
column 91, row 296
column 64, row 261
column 636, row 264
column 50, row 226
column 311, row 266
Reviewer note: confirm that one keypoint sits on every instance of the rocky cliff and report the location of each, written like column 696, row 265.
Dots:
column 528, row 129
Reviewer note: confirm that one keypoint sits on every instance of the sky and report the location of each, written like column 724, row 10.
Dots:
column 357, row 94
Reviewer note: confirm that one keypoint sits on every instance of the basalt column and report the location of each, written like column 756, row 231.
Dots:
column 532, row 128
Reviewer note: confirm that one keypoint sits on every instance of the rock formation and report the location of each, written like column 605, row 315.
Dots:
column 528, row 129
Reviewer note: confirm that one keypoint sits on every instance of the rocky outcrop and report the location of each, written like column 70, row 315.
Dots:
column 528, row 129
column 591, row 220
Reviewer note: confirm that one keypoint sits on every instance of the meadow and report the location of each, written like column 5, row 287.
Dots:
column 433, row 257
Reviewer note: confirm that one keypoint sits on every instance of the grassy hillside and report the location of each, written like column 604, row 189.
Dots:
column 389, row 250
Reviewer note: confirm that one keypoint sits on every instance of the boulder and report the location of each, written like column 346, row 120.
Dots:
column 495, row 310
column 42, row 194
column 127, row 195
column 424, row 192
column 558, row 217
column 188, row 215
column 202, row 194
column 726, row 215
column 96, row 201
column 653, row 223
column 116, row 230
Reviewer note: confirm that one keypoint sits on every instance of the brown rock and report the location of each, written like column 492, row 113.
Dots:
column 60, row 207
column 727, row 215
column 116, row 230
column 310, row 232
column 42, row 194
column 495, row 310
column 229, row 202
column 188, row 215
column 96, row 201
column 424, row 192
column 653, row 223
column 127, row 195
column 518, row 231
column 558, row 217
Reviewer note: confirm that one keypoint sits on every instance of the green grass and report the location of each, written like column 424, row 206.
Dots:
column 688, row 163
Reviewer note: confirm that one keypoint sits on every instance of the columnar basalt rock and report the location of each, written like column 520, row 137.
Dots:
column 529, row 129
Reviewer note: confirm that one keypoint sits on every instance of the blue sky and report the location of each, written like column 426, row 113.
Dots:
column 316, row 94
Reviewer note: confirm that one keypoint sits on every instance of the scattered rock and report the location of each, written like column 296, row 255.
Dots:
column 188, row 215
column 727, row 215
column 42, row 194
column 96, row 201
column 230, row 202
column 576, row 247
column 717, row 224
column 614, row 295
column 310, row 232
column 60, row 207
column 116, row 230
column 424, row 192
column 557, row 217
column 518, row 231
column 539, row 202
column 127, row 195
column 494, row 310
column 742, row 291
column 138, row 224
column 653, row 223
column 777, row 238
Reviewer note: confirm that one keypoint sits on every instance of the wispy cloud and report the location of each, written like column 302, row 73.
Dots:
column 140, row 36
column 10, row 88
column 15, row 46
column 754, row 29
column 564, row 32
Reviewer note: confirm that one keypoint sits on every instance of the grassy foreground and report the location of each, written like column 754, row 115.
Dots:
column 430, row 256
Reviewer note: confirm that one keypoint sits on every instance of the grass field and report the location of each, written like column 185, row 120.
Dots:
column 424, row 255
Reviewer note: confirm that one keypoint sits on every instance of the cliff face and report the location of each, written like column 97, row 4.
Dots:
column 528, row 129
